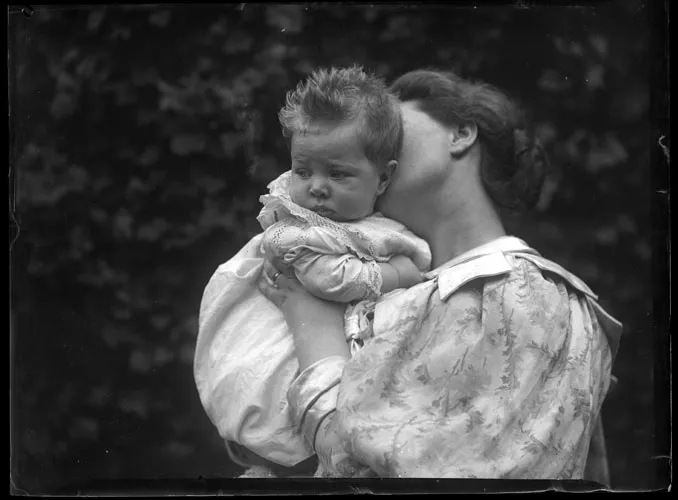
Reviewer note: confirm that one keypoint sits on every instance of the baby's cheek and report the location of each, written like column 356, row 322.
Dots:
column 361, row 206
column 297, row 194
column 348, row 212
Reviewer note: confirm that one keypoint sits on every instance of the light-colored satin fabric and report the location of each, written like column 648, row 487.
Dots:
column 244, row 358
column 495, row 368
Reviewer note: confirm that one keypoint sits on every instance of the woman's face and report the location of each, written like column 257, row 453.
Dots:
column 423, row 165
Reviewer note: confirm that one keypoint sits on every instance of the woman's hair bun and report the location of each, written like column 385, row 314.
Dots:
column 531, row 168
column 514, row 164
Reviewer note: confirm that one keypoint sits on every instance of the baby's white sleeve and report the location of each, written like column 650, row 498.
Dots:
column 340, row 278
column 322, row 262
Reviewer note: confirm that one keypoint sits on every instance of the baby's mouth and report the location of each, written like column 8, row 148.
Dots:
column 324, row 211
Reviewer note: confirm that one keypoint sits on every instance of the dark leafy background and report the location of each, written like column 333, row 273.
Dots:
column 143, row 136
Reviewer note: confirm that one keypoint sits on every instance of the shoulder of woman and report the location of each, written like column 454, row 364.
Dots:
column 526, row 290
column 512, row 269
column 502, row 295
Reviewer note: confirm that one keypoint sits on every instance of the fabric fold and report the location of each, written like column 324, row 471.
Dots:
column 313, row 394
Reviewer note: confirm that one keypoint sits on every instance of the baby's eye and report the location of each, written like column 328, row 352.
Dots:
column 337, row 174
column 300, row 172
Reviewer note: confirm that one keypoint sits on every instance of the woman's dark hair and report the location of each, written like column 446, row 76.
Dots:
column 514, row 163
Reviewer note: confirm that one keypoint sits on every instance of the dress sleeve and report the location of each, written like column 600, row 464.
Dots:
column 504, row 379
column 314, row 394
column 313, row 398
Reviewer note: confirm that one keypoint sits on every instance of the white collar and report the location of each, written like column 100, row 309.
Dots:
column 498, row 245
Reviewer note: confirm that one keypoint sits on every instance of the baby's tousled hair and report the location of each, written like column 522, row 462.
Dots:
column 344, row 95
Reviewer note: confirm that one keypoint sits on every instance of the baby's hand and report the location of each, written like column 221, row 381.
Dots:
column 399, row 272
column 408, row 273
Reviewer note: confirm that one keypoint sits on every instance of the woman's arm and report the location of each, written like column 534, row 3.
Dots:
column 317, row 325
column 318, row 332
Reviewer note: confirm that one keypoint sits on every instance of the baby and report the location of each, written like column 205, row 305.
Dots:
column 345, row 132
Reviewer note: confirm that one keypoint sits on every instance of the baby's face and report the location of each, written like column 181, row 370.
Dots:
column 332, row 176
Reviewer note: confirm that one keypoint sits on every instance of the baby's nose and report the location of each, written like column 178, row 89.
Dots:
column 318, row 186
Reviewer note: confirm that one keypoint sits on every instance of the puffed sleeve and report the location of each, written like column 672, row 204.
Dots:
column 244, row 363
column 324, row 265
column 340, row 278
column 503, row 379
column 314, row 393
column 313, row 398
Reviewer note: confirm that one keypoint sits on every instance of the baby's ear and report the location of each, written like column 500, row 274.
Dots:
column 386, row 175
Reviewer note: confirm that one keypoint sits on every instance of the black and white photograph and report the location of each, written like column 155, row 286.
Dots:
column 339, row 248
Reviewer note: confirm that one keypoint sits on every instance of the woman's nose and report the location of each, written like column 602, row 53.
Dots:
column 318, row 187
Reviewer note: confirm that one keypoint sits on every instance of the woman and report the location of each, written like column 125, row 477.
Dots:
column 498, row 364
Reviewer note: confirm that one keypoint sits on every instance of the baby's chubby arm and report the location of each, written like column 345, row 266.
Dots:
column 399, row 272
column 340, row 278
column 344, row 278
column 328, row 269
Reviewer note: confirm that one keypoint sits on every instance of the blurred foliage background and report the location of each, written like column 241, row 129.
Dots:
column 142, row 137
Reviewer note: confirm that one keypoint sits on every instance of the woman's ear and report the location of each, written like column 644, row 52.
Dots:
column 461, row 138
column 385, row 176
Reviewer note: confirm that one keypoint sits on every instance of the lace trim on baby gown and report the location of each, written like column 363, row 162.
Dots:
column 278, row 206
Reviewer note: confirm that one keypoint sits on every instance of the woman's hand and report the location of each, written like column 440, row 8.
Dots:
column 280, row 286
column 317, row 325
column 298, row 305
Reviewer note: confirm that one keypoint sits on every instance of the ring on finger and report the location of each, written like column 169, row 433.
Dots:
column 275, row 278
